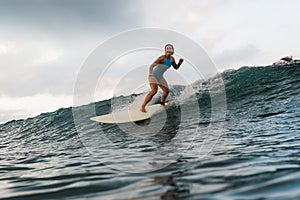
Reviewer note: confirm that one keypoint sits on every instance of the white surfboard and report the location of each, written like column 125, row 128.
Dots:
column 130, row 115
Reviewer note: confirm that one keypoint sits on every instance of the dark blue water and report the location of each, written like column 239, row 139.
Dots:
column 203, row 147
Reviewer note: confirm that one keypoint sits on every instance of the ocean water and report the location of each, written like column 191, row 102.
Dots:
column 235, row 136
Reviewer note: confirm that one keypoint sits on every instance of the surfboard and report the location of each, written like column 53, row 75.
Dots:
column 130, row 115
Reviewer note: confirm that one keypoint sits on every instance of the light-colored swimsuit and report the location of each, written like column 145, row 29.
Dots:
column 160, row 69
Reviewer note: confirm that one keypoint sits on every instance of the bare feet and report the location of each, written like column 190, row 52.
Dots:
column 162, row 103
column 143, row 109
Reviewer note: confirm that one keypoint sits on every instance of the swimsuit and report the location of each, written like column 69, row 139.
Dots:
column 160, row 69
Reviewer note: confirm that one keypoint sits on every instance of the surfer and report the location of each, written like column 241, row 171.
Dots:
column 156, row 72
column 284, row 60
column 287, row 58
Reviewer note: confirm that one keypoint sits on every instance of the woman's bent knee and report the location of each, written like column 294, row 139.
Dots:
column 153, row 92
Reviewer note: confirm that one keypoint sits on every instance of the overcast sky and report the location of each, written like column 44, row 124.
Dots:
column 43, row 43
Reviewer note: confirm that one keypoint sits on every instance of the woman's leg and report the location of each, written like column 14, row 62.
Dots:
column 165, row 88
column 153, row 86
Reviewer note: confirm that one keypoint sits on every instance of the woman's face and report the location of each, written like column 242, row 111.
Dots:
column 169, row 50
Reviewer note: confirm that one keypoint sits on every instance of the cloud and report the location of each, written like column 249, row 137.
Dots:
column 179, row 15
column 44, row 43
column 239, row 56
column 212, row 38
column 32, row 68
column 70, row 16
column 29, row 106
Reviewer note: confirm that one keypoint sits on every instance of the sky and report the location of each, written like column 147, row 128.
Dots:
column 44, row 43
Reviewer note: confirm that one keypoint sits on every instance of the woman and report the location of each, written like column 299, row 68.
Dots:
column 156, row 72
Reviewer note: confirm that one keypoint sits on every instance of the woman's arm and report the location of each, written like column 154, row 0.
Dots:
column 156, row 62
column 151, row 68
column 176, row 66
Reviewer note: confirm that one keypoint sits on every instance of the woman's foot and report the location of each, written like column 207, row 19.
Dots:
column 162, row 103
column 143, row 109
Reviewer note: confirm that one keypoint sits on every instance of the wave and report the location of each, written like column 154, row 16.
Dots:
column 266, row 83
column 43, row 156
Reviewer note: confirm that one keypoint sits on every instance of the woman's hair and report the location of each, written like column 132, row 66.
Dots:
column 171, row 46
